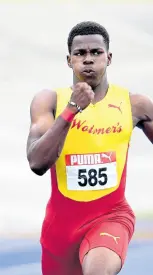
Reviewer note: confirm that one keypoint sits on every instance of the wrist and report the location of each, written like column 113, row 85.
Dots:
column 75, row 106
column 68, row 114
column 72, row 108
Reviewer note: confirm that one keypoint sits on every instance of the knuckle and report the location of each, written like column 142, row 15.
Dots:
column 84, row 84
column 87, row 86
column 77, row 86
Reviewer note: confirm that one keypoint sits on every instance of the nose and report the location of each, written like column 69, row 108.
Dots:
column 88, row 60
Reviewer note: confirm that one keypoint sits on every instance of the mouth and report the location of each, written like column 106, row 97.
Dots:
column 88, row 72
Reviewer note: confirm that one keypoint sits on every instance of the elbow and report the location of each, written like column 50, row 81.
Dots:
column 39, row 166
column 38, row 169
column 35, row 166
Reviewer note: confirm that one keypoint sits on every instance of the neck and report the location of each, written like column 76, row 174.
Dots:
column 101, row 90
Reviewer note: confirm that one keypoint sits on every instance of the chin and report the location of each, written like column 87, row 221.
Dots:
column 91, row 83
column 89, row 80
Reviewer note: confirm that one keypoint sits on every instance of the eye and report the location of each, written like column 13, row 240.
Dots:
column 77, row 54
column 97, row 52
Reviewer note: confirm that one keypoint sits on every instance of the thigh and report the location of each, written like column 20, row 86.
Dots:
column 101, row 261
column 53, row 265
column 112, row 236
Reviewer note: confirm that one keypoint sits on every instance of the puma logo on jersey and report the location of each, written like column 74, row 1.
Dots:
column 109, row 235
column 115, row 106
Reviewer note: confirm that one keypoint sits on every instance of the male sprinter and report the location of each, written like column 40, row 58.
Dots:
column 82, row 134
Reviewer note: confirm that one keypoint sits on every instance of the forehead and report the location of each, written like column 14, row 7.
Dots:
column 88, row 42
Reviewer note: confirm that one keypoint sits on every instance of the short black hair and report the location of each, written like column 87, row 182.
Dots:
column 87, row 28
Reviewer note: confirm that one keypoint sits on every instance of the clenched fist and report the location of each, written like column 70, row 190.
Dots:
column 82, row 95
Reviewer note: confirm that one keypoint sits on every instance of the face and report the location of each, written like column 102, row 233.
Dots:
column 89, row 59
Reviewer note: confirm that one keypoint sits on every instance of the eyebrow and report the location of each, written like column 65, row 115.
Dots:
column 91, row 50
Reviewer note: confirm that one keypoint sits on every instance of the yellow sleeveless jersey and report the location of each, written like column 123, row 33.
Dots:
column 94, row 154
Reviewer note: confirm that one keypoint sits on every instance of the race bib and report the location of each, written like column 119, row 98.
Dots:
column 91, row 171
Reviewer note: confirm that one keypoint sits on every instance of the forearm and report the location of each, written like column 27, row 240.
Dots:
column 43, row 153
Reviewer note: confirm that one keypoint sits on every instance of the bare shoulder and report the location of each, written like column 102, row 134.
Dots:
column 42, row 113
column 142, row 107
column 43, row 101
column 45, row 98
column 140, row 99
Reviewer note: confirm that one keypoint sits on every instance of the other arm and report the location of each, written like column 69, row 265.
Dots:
column 142, row 109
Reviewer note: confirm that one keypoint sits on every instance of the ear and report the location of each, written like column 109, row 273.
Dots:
column 109, row 58
column 69, row 61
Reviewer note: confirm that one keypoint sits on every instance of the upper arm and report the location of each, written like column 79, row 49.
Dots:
column 144, row 112
column 42, row 111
